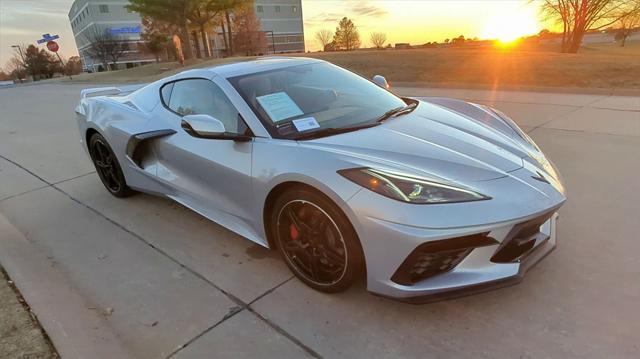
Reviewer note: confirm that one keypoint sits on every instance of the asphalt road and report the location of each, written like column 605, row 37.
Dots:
column 145, row 277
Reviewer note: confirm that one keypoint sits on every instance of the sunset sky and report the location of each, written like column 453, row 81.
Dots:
column 413, row 21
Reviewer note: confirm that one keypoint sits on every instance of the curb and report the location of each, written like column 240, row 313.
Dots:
column 75, row 330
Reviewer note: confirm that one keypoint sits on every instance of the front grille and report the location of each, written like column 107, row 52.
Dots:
column 436, row 257
column 521, row 240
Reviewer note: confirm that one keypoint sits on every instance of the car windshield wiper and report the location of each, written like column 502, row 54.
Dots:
column 397, row 112
column 333, row 131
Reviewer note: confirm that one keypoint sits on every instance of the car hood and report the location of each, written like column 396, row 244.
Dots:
column 442, row 138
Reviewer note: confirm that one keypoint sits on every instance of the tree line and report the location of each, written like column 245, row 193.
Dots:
column 189, row 21
column 37, row 63
column 193, row 20
column 578, row 17
column 346, row 37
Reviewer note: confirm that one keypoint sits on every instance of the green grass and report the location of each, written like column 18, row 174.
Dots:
column 599, row 66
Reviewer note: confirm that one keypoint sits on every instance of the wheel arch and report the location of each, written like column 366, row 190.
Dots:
column 285, row 186
column 89, row 133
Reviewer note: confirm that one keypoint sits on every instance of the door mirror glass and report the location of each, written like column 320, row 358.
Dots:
column 381, row 81
column 203, row 126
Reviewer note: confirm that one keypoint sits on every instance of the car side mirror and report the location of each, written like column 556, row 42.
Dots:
column 381, row 81
column 205, row 126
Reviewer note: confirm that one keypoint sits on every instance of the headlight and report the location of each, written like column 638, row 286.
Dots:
column 409, row 189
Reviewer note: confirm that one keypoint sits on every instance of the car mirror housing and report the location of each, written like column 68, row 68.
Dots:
column 381, row 81
column 209, row 127
column 203, row 126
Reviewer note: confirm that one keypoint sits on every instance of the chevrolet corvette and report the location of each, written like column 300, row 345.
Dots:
column 424, row 198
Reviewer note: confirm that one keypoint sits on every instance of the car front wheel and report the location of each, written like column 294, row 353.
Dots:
column 316, row 240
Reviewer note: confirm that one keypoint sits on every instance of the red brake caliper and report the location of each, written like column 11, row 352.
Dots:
column 293, row 231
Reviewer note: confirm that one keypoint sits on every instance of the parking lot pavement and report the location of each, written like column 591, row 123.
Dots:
column 157, row 280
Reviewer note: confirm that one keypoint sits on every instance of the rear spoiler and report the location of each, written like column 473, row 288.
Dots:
column 100, row 91
column 110, row 91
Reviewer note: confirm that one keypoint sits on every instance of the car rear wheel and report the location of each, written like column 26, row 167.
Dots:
column 316, row 240
column 108, row 168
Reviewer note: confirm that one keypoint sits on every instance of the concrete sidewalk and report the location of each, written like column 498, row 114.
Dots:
column 145, row 277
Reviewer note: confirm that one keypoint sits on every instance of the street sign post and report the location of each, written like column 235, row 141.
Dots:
column 53, row 47
column 47, row 38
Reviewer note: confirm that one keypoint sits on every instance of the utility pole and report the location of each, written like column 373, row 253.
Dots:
column 24, row 64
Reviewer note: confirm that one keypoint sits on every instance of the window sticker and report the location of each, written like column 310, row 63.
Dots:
column 279, row 106
column 305, row 124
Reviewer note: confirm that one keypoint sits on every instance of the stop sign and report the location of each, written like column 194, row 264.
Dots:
column 52, row 46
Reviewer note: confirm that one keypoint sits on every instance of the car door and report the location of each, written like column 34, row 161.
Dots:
column 211, row 176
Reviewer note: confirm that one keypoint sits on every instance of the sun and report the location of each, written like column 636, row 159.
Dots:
column 510, row 24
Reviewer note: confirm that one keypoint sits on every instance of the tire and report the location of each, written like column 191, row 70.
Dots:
column 107, row 167
column 316, row 240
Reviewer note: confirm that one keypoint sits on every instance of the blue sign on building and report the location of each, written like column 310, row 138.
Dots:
column 124, row 30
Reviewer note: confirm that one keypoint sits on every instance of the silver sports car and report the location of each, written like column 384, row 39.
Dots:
column 425, row 199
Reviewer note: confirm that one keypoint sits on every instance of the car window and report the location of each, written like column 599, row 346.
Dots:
column 203, row 97
column 320, row 94
column 165, row 92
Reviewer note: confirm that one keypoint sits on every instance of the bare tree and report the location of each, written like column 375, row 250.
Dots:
column 324, row 38
column 628, row 25
column 106, row 47
column 579, row 16
column 378, row 39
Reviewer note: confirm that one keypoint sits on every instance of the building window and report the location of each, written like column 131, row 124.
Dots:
column 294, row 9
column 104, row 9
column 259, row 8
column 278, row 8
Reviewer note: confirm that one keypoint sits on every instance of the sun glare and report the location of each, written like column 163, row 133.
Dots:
column 510, row 25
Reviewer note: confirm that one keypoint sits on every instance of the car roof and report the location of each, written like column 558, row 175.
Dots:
column 259, row 65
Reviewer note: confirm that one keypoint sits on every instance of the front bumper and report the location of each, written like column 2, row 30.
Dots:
column 477, row 272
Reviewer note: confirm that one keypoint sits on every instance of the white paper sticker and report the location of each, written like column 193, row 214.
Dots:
column 305, row 124
column 279, row 106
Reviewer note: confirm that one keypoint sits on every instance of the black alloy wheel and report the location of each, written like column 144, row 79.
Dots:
column 316, row 240
column 107, row 166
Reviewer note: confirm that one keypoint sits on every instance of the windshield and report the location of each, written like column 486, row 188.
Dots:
column 299, row 100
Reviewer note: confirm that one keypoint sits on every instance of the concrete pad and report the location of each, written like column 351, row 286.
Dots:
column 531, row 115
column 242, row 336
column 153, row 304
column 626, row 103
column 38, row 130
column 579, row 302
column 599, row 121
column 234, row 263
column 501, row 96
column 14, row 180
column 77, row 331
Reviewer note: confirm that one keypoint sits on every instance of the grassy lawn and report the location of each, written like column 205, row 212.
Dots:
column 596, row 66
column 20, row 334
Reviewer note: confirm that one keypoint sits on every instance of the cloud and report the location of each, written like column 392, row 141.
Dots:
column 323, row 18
column 353, row 9
column 362, row 8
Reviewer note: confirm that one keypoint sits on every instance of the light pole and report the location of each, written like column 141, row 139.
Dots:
column 19, row 51
column 24, row 64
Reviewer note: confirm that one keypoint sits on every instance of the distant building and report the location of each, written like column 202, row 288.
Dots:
column 402, row 45
column 91, row 17
column 281, row 22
